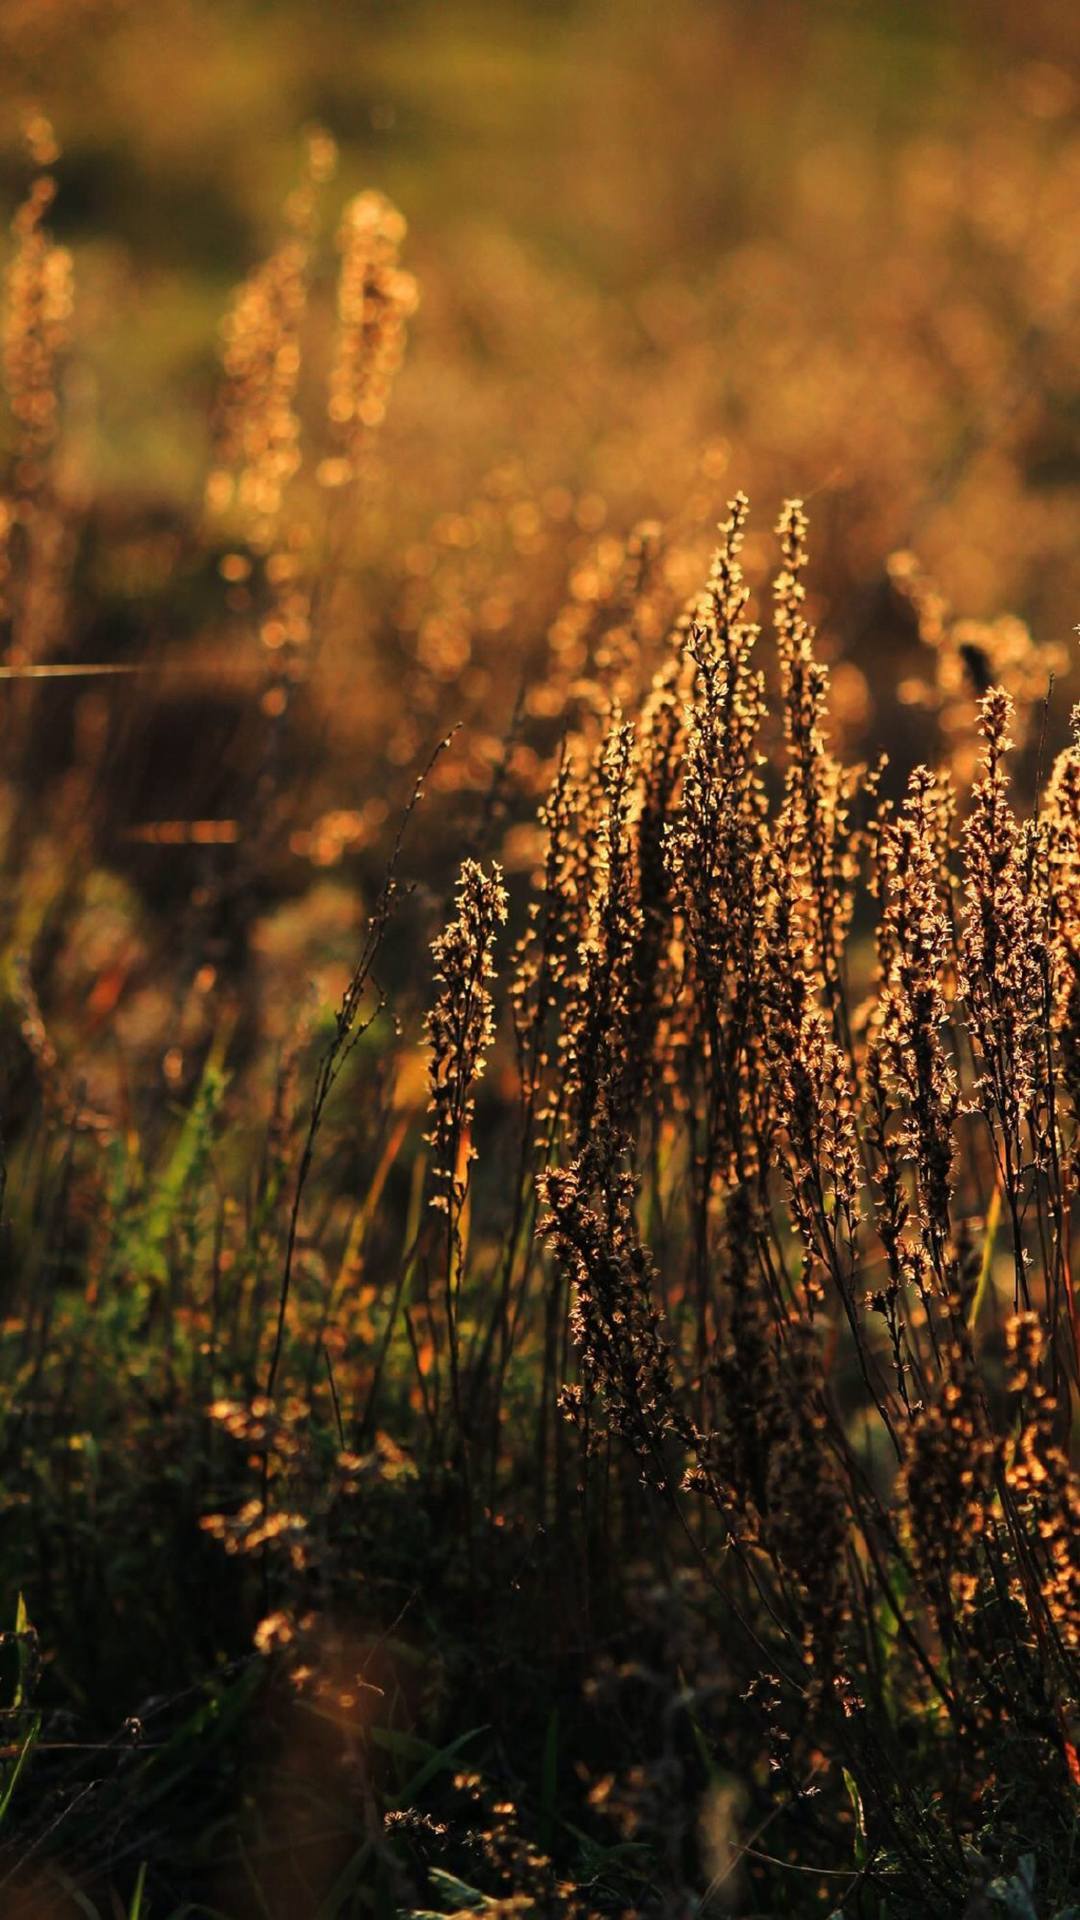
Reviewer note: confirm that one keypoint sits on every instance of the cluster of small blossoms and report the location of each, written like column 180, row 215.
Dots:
column 624, row 1358
column 949, row 1475
column 915, row 961
column 1062, row 826
column 546, row 956
column 526, row 1882
column 714, row 847
column 599, row 1032
column 807, row 1520
column 37, row 321
column 259, row 424
column 968, row 658
column 735, row 1451
column 252, row 1527
column 813, row 835
column 1045, row 1488
column 376, row 299
column 653, row 988
column 805, row 1049
column 36, row 333
column 1004, row 963
column 36, row 336
column 461, row 1027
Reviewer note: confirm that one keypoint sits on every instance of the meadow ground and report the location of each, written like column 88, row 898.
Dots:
column 539, row 960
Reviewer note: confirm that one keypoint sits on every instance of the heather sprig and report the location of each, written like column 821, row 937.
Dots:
column 460, row 1028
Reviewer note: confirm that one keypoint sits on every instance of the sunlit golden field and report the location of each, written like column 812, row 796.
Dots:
column 539, row 959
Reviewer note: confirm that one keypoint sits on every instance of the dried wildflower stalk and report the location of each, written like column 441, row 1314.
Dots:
column 872, row 1148
column 460, row 1030
column 624, row 1357
column 37, row 332
column 375, row 301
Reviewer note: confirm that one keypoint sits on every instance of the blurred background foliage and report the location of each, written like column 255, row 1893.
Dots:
column 836, row 240
column 828, row 249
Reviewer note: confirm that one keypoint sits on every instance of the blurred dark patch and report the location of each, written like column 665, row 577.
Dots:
column 181, row 218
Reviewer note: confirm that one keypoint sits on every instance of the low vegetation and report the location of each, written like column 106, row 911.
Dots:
column 539, row 1336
